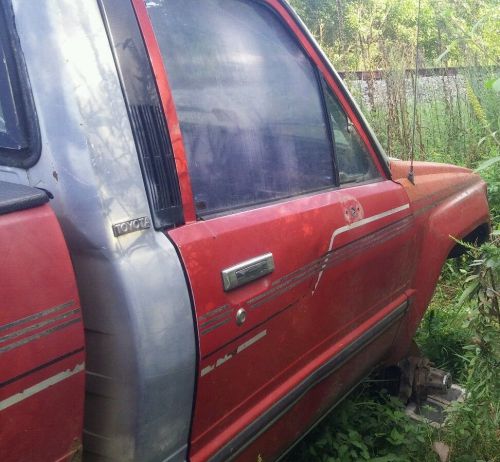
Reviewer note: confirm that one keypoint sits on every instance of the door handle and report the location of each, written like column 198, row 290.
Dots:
column 247, row 271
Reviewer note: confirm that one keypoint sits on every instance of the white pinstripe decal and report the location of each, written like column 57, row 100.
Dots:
column 355, row 225
column 18, row 397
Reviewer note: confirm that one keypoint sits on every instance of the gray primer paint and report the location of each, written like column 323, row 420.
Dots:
column 139, row 328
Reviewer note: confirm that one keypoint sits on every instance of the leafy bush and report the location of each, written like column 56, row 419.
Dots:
column 473, row 427
column 367, row 426
column 442, row 335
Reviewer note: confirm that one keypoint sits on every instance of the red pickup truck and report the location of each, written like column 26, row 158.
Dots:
column 203, row 247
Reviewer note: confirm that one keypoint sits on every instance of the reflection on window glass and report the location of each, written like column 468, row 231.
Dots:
column 2, row 120
column 5, row 92
column 248, row 102
column 353, row 159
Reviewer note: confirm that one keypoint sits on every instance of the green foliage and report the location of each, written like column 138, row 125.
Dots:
column 357, row 34
column 458, row 120
column 461, row 330
column 490, row 170
column 442, row 335
column 472, row 28
column 473, row 427
column 368, row 426
column 457, row 117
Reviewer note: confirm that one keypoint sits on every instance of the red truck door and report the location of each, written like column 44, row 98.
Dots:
column 301, row 244
column 42, row 355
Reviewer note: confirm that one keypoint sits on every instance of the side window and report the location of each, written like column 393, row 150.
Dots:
column 248, row 100
column 354, row 162
column 16, row 146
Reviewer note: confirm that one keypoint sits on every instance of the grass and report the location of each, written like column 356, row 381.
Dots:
column 456, row 114
column 442, row 336
column 369, row 425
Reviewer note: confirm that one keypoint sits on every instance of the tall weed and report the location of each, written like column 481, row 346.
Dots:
column 473, row 428
column 457, row 114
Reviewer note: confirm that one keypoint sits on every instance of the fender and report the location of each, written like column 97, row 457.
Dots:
column 449, row 203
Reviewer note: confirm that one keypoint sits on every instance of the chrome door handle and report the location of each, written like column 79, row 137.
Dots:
column 247, row 271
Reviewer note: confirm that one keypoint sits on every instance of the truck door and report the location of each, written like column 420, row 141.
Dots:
column 41, row 333
column 300, row 243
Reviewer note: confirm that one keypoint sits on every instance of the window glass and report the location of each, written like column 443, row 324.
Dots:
column 14, row 131
column 9, row 126
column 354, row 162
column 248, row 101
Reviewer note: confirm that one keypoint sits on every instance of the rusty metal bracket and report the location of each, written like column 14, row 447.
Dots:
column 419, row 378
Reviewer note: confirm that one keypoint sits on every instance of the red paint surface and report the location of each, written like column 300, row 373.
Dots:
column 36, row 274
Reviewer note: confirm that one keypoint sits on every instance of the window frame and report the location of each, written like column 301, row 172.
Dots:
column 335, row 83
column 335, row 184
column 302, row 37
column 327, row 88
column 23, row 152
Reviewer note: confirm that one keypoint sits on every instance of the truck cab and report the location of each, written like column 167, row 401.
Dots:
column 243, row 250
